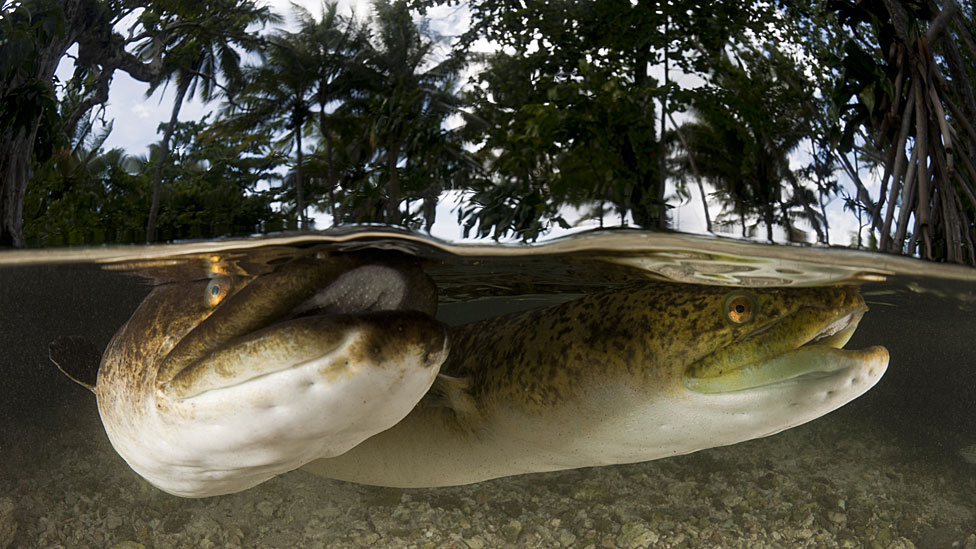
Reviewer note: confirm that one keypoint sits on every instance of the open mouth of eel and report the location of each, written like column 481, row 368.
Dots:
column 779, row 353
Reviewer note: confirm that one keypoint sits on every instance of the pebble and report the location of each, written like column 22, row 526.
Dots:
column 635, row 534
column 266, row 508
column 113, row 520
column 883, row 537
column 511, row 530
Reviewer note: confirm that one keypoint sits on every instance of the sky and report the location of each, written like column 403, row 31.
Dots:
column 136, row 118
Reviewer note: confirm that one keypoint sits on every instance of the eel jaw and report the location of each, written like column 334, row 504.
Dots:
column 799, row 382
column 271, row 382
column 819, row 356
column 220, row 433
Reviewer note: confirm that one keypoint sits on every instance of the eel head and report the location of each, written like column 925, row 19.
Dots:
column 215, row 386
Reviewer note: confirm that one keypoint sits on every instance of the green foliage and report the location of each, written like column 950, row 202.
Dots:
column 748, row 123
column 404, row 101
column 370, row 99
column 362, row 118
column 205, row 47
column 24, row 28
column 563, row 118
column 568, row 110
column 299, row 72
column 217, row 186
column 202, row 40
column 86, row 195
column 165, row 38
column 548, row 143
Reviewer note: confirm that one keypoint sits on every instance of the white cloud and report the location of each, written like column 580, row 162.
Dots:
column 136, row 117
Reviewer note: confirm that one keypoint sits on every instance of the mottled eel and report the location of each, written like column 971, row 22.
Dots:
column 636, row 373
column 338, row 366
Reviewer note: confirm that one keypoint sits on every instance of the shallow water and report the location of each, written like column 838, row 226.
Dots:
column 883, row 471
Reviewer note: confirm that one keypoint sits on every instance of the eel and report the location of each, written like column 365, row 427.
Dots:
column 340, row 368
column 632, row 374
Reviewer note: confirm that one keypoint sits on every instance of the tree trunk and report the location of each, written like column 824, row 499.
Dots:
column 787, row 224
column 823, row 212
column 15, row 171
column 742, row 219
column 393, row 184
column 17, row 144
column 811, row 215
column 163, row 156
column 647, row 195
column 660, row 175
column 329, row 163
column 694, row 172
column 299, row 177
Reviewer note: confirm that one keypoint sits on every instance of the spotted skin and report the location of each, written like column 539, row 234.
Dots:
column 601, row 380
column 640, row 332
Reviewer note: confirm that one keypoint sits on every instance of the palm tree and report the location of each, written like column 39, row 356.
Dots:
column 278, row 96
column 408, row 101
column 299, row 80
column 742, row 139
column 339, row 46
column 376, row 109
column 205, row 45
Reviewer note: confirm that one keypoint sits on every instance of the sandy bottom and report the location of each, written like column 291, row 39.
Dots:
column 837, row 482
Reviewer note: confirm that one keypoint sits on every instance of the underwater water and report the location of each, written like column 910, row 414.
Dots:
column 893, row 468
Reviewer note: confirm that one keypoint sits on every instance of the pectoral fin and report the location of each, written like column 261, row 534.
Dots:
column 451, row 392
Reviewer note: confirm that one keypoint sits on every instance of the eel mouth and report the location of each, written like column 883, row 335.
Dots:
column 320, row 315
column 805, row 345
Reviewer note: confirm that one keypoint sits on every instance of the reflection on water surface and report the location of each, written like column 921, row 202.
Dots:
column 885, row 470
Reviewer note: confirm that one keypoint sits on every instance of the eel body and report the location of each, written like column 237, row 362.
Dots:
column 338, row 366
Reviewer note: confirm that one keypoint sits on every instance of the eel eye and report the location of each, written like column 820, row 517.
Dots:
column 218, row 289
column 740, row 308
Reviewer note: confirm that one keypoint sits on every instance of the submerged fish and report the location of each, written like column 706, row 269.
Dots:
column 339, row 367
